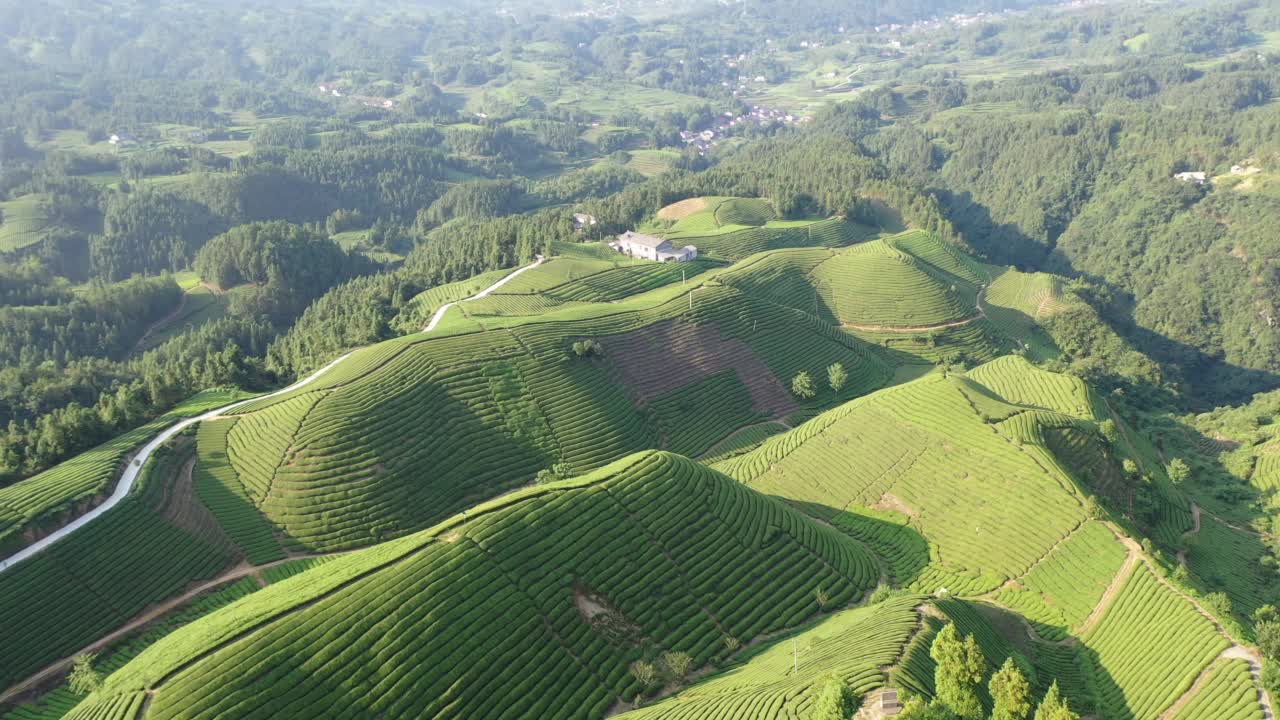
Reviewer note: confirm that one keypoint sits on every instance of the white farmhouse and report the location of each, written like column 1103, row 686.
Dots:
column 652, row 248
column 1199, row 178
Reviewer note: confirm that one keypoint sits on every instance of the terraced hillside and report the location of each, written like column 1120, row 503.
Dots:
column 927, row 451
column 550, row 600
column 920, row 299
column 735, row 228
column 777, row 683
column 541, row 600
column 434, row 425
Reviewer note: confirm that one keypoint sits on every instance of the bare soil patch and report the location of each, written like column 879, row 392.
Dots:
column 682, row 209
column 181, row 507
column 604, row 618
column 889, row 501
column 675, row 353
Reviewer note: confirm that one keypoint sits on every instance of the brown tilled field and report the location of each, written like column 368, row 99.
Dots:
column 672, row 354
column 682, row 209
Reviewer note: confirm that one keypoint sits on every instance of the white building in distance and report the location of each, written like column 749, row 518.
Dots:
column 652, row 248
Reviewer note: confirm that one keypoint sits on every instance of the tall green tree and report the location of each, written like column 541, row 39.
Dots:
column 834, row 702
column 959, row 671
column 802, row 385
column 1053, row 707
column 837, row 376
column 1011, row 693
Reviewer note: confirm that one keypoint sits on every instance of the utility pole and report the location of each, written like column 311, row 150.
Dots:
column 682, row 281
column 690, row 299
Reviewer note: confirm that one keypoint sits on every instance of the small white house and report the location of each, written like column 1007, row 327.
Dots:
column 1199, row 178
column 652, row 248
column 581, row 220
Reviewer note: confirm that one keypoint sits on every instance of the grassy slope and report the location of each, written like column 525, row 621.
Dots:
column 23, row 223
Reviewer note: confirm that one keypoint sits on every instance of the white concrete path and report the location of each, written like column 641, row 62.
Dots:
column 125, row 484
column 440, row 311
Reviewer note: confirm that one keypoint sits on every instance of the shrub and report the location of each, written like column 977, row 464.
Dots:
column 645, row 673
column 1109, row 431
column 83, row 678
column 677, row 664
column 1178, row 470
column 834, row 701
column 587, row 348
column 558, row 471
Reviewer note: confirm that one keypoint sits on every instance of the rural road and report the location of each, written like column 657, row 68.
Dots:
column 131, row 472
column 440, row 311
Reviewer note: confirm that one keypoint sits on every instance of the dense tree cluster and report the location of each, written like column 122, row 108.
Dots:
column 1081, row 181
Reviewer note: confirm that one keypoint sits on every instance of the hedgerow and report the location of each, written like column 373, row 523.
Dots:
column 1228, row 694
column 693, row 418
column 1064, row 587
column 921, row 450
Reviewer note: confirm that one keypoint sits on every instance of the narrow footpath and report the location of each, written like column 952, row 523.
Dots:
column 440, row 311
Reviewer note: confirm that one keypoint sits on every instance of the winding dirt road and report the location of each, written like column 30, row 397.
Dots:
column 440, row 311
column 130, row 474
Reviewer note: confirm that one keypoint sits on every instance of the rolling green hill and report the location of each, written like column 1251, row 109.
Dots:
column 541, row 599
column 403, row 434
column 907, row 476
column 418, row 429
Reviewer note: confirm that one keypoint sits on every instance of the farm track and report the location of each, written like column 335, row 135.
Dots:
column 134, row 468
column 1234, row 650
column 1013, row 582
column 1195, row 529
column 242, row 570
column 1109, row 595
column 440, row 311
column 173, row 314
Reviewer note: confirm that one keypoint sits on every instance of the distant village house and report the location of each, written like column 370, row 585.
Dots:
column 652, row 248
column 581, row 220
column 1199, row 178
